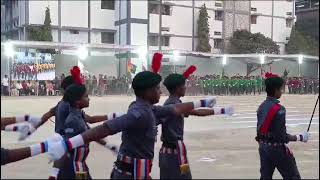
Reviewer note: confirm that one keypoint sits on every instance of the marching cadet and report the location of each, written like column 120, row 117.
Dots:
column 138, row 127
column 75, row 166
column 173, row 161
column 272, row 134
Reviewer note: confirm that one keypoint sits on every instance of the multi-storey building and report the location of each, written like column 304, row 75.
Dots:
column 306, row 9
column 139, row 23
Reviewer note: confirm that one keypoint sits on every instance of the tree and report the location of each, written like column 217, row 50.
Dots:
column 300, row 43
column 42, row 33
column 244, row 42
column 203, row 30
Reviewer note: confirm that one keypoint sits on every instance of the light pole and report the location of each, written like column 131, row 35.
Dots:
column 300, row 60
column 9, row 52
column 261, row 64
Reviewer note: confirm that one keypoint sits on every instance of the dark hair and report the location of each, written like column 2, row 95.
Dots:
column 273, row 84
column 67, row 81
column 74, row 93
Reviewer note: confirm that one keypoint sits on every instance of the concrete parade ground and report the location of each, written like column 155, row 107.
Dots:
column 218, row 146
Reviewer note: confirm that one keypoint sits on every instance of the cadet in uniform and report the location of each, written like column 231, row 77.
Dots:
column 272, row 134
column 138, row 127
column 77, row 96
column 173, row 161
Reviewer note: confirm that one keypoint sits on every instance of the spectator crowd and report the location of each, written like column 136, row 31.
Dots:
column 102, row 85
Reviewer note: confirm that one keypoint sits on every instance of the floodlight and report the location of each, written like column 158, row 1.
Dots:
column 9, row 51
column 261, row 59
column 142, row 52
column 300, row 59
column 82, row 53
column 224, row 60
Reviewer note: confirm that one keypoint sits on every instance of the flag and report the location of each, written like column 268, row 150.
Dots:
column 131, row 67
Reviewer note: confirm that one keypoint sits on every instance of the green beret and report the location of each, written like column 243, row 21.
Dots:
column 174, row 80
column 145, row 79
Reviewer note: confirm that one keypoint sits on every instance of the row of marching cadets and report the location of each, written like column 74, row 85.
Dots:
column 69, row 147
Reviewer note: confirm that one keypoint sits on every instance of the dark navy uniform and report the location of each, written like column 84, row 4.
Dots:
column 173, row 154
column 272, row 137
column 61, row 112
column 139, row 131
column 74, row 125
column 4, row 156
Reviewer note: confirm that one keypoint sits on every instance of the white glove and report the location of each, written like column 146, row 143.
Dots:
column 228, row 110
column 56, row 149
column 25, row 131
column 55, row 137
column 304, row 137
column 35, row 121
column 208, row 102
column 27, row 118
column 115, row 115
column 223, row 110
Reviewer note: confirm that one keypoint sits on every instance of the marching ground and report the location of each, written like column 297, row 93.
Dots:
column 218, row 147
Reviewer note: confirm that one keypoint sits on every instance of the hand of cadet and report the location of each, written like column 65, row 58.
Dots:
column 25, row 130
column 35, row 121
column 207, row 102
column 56, row 149
column 229, row 110
column 304, row 137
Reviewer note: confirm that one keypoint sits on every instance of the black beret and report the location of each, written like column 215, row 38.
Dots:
column 145, row 79
column 174, row 80
column 274, row 82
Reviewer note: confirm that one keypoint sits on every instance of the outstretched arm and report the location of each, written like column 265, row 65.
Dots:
column 7, row 121
column 95, row 119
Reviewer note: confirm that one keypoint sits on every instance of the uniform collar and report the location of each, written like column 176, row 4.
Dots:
column 142, row 102
column 174, row 97
column 76, row 111
column 272, row 99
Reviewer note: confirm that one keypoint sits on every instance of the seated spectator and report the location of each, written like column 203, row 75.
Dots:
column 14, row 90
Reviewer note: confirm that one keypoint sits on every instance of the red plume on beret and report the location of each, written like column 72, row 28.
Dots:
column 189, row 71
column 156, row 62
column 270, row 75
column 76, row 75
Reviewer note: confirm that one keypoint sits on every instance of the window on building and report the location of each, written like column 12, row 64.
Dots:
column 107, row 4
column 217, row 33
column 74, row 32
column 154, row 8
column 253, row 9
column 153, row 40
column 253, row 19
column 289, row 22
column 165, row 41
column 218, row 15
column 217, row 4
column 217, row 43
column 166, row 10
column 107, row 37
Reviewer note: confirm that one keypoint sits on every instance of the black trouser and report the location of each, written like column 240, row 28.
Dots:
column 279, row 157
